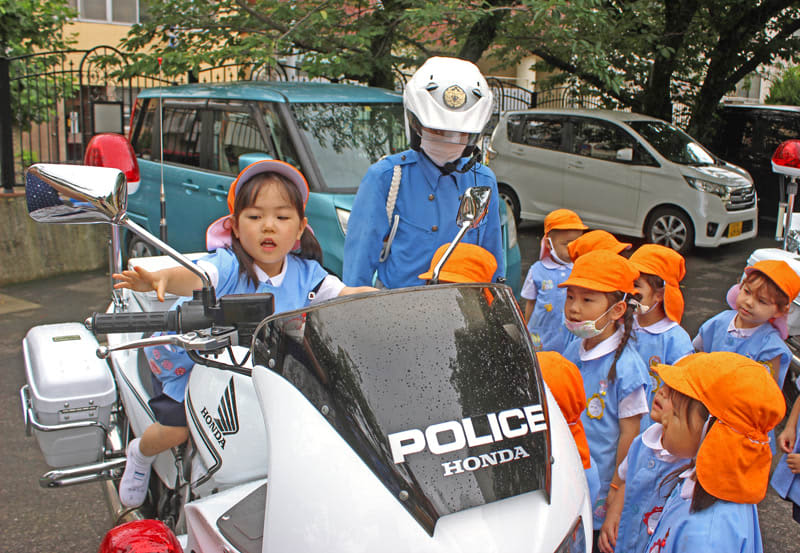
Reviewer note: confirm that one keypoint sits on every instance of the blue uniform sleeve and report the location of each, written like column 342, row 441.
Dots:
column 492, row 237
column 367, row 226
column 678, row 345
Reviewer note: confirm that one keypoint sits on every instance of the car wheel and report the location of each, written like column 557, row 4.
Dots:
column 672, row 228
column 512, row 202
column 139, row 248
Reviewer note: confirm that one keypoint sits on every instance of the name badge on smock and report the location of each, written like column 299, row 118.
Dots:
column 547, row 285
column 655, row 380
column 597, row 403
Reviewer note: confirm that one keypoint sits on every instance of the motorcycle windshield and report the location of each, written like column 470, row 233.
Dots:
column 436, row 388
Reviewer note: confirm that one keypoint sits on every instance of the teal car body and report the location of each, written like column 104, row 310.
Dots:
column 331, row 132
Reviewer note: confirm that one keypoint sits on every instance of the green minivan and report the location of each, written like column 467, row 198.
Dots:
column 331, row 132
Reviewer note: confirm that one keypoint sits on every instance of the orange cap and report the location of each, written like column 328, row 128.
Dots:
column 734, row 458
column 779, row 272
column 603, row 271
column 595, row 240
column 668, row 265
column 565, row 382
column 563, row 219
column 467, row 263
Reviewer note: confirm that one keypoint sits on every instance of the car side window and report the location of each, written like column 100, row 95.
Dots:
column 602, row 140
column 235, row 133
column 145, row 133
column 182, row 135
column 535, row 130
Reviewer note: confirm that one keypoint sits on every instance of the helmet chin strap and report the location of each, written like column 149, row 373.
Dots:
column 451, row 166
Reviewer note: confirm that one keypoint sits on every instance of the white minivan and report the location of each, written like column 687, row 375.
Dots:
column 623, row 172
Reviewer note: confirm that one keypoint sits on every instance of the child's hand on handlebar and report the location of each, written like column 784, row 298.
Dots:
column 141, row 280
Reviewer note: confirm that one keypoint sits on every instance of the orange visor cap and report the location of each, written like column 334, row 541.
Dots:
column 467, row 263
column 566, row 384
column 595, row 240
column 734, row 458
column 780, row 273
column 603, row 271
column 668, row 265
column 563, row 219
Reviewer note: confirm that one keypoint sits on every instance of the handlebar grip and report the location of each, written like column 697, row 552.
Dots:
column 110, row 323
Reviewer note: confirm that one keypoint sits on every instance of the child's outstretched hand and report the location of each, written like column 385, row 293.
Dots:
column 141, row 280
column 786, row 439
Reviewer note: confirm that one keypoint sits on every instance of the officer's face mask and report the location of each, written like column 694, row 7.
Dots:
column 441, row 152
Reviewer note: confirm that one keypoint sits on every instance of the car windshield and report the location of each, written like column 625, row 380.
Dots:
column 672, row 143
column 347, row 138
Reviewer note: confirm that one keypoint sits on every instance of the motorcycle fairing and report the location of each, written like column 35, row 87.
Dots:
column 448, row 357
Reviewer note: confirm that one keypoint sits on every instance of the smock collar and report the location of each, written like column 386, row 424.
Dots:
column 277, row 280
column 659, row 327
column 651, row 437
column 740, row 332
column 605, row 347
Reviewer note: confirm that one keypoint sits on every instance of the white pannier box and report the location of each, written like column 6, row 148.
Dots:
column 67, row 384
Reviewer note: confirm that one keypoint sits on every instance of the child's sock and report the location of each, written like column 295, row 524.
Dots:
column 133, row 486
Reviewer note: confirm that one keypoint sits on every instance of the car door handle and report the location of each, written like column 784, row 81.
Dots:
column 575, row 165
column 220, row 193
column 190, row 187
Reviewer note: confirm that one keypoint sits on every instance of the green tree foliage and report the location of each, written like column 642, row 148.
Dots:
column 29, row 27
column 648, row 55
column 786, row 90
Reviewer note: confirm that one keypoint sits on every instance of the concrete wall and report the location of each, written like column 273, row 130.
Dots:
column 31, row 250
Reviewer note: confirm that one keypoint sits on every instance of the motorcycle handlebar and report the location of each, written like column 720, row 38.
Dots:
column 110, row 323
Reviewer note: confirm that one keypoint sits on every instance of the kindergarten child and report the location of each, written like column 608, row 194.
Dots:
column 659, row 336
column 256, row 251
column 544, row 308
column 596, row 240
column 756, row 325
column 634, row 508
column 599, row 310
column 786, row 478
column 723, row 406
column 565, row 383
column 467, row 263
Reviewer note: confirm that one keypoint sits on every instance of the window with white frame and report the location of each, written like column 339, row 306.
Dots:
column 109, row 11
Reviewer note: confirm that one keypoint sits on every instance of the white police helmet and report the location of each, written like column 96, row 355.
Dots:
column 448, row 95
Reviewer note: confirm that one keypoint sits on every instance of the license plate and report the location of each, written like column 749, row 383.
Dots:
column 734, row 229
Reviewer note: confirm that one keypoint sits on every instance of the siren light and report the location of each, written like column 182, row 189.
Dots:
column 786, row 159
column 114, row 150
column 140, row 536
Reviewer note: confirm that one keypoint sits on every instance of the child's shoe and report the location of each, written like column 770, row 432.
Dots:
column 133, row 486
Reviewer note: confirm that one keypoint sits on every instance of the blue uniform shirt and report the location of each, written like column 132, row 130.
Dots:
column 172, row 365
column 724, row 527
column 647, row 465
column 427, row 204
column 663, row 342
column 601, row 417
column 784, row 481
column 546, row 324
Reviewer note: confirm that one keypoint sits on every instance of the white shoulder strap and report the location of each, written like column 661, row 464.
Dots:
column 394, row 220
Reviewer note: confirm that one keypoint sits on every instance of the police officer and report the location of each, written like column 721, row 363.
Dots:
column 407, row 203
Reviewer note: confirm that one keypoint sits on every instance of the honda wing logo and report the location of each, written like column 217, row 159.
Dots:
column 227, row 422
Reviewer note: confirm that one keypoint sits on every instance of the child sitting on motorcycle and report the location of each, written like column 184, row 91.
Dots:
column 252, row 255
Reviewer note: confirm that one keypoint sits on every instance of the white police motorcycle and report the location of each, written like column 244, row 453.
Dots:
column 403, row 420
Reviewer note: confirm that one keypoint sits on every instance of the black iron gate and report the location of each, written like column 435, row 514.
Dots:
column 51, row 103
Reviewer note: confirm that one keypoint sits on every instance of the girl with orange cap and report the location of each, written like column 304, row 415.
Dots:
column 544, row 307
column 599, row 310
column 659, row 336
column 756, row 325
column 634, row 509
column 565, row 383
column 723, row 406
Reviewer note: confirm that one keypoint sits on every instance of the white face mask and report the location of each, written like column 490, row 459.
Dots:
column 553, row 253
column 588, row 329
column 441, row 153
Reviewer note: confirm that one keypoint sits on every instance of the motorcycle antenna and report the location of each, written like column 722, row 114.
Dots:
column 162, row 196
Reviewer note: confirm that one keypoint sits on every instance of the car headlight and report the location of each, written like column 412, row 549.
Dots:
column 575, row 541
column 343, row 215
column 711, row 187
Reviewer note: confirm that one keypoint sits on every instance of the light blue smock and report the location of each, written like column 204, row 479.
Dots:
column 302, row 276
column 644, row 495
column 665, row 347
column 765, row 344
column 603, row 433
column 546, row 324
column 724, row 527
column 427, row 204
column 784, row 481
column 593, row 480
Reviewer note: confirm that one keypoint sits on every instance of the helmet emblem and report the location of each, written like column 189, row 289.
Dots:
column 455, row 97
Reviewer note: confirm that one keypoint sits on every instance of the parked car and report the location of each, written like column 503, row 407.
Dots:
column 331, row 132
column 748, row 134
column 623, row 172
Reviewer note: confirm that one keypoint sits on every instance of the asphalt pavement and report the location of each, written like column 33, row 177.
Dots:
column 74, row 519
